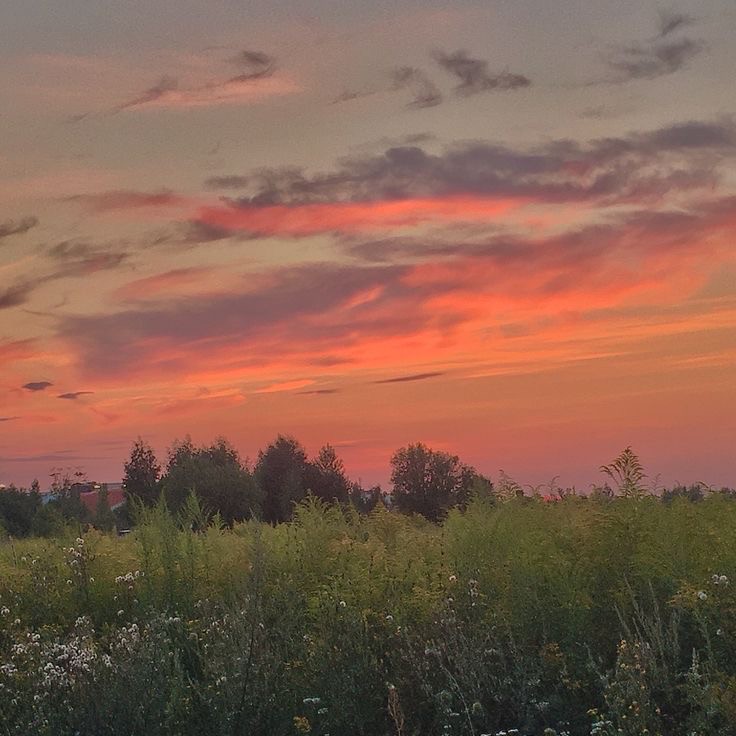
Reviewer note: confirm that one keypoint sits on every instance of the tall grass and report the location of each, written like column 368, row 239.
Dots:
column 580, row 617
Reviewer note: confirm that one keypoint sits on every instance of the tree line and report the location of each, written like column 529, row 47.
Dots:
column 424, row 481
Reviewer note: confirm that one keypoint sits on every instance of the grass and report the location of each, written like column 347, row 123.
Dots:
column 580, row 617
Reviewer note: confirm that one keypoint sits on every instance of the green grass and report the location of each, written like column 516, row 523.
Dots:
column 581, row 616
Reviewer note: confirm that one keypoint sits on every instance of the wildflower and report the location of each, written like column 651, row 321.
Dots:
column 91, row 580
column 702, row 595
column 343, row 604
column 4, row 611
column 389, row 617
column 722, row 580
column 453, row 578
column 719, row 632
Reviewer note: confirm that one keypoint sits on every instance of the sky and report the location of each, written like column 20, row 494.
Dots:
column 504, row 228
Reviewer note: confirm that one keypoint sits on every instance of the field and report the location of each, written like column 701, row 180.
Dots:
column 528, row 617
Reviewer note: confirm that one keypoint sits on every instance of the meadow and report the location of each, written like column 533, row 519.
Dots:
column 580, row 616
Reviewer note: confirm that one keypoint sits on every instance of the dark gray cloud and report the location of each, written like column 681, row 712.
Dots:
column 658, row 56
column 348, row 95
column 671, row 21
column 318, row 392
column 37, row 385
column 73, row 395
column 227, row 182
column 255, row 65
column 70, row 259
column 14, row 296
column 413, row 377
column 8, row 419
column 474, row 76
column 79, row 258
column 17, row 227
column 424, row 91
column 633, row 167
column 651, row 60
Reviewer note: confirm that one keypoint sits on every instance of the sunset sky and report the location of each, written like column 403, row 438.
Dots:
column 504, row 228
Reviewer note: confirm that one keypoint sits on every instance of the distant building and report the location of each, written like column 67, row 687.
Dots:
column 89, row 494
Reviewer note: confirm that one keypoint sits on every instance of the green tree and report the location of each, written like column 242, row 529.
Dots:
column 221, row 481
column 142, row 473
column 281, row 473
column 326, row 477
column 365, row 499
column 17, row 510
column 430, row 482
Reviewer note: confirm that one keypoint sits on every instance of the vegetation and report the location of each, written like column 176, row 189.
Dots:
column 546, row 614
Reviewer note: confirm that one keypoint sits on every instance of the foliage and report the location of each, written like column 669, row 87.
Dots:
column 578, row 616
column 429, row 482
column 216, row 475
column 627, row 473
column 142, row 473
column 281, row 474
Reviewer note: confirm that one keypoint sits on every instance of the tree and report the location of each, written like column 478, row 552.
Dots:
column 326, row 477
column 17, row 510
column 142, row 473
column 429, row 482
column 220, row 480
column 365, row 499
column 281, row 472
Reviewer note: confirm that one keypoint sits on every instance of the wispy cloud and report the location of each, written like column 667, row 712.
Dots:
column 17, row 227
column 14, row 296
column 256, row 80
column 658, row 56
column 412, row 377
column 37, row 385
column 424, row 91
column 8, row 419
column 476, row 181
column 73, row 395
column 474, row 76
column 127, row 199
column 672, row 20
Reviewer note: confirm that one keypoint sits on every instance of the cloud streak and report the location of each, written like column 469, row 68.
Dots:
column 37, row 385
column 73, row 395
column 256, row 80
column 474, row 77
column 477, row 181
column 424, row 91
column 411, row 378
column 17, row 227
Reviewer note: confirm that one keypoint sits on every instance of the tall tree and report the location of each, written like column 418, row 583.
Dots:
column 220, row 480
column 429, row 482
column 281, row 473
column 142, row 473
column 326, row 477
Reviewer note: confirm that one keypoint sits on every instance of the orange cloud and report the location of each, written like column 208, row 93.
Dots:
column 351, row 217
